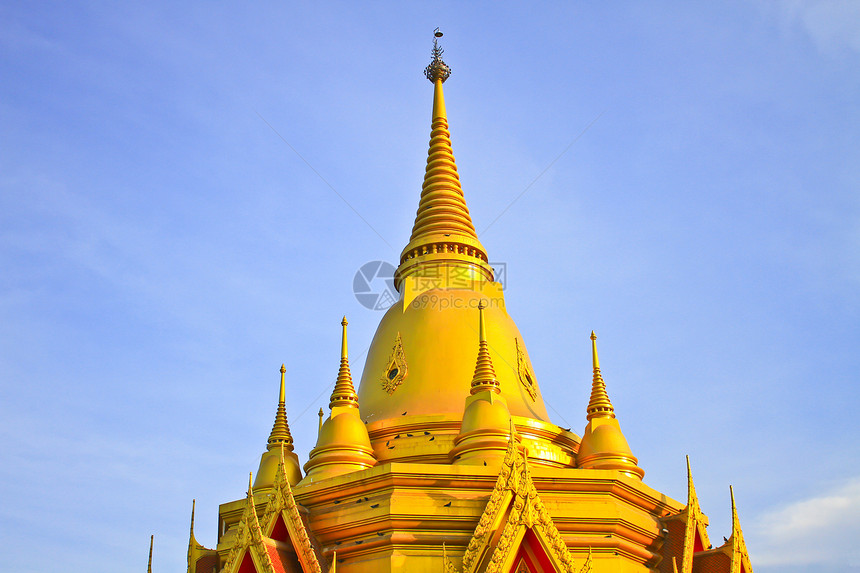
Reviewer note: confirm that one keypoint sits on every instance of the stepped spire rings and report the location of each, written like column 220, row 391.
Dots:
column 396, row 369
column 438, row 69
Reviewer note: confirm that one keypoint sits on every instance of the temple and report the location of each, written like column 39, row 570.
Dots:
column 444, row 459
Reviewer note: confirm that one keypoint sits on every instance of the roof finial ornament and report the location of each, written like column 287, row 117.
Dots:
column 599, row 405
column 438, row 70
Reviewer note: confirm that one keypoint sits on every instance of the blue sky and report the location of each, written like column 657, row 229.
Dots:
column 163, row 250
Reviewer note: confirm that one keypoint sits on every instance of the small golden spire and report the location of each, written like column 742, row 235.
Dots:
column 281, row 430
column 485, row 376
column 343, row 444
column 603, row 445
column 344, row 391
column 599, row 405
column 250, row 484
column 320, row 414
column 149, row 565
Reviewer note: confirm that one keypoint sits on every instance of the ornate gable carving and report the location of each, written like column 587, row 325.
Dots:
column 282, row 503
column 740, row 557
column 249, row 539
column 695, row 525
column 514, row 507
column 253, row 539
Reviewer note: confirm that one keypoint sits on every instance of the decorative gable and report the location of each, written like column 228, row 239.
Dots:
column 515, row 532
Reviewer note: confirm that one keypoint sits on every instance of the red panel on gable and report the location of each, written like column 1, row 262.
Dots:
column 532, row 553
column 247, row 564
column 279, row 532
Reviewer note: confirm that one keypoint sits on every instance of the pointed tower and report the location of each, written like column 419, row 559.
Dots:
column 280, row 435
column 443, row 238
column 433, row 473
column 484, row 433
column 424, row 349
column 603, row 445
column 343, row 445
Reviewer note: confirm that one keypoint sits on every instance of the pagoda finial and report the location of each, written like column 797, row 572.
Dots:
column 344, row 391
column 443, row 233
column 485, row 376
column 599, row 405
column 281, row 430
column 437, row 70
column 250, row 484
column 149, row 564
column 603, row 445
column 280, row 437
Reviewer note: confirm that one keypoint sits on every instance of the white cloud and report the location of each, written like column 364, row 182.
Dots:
column 819, row 530
column 832, row 24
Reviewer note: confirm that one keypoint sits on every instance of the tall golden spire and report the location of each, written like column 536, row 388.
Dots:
column 442, row 208
column 281, row 430
column 344, row 391
column 485, row 376
column 149, row 565
column 443, row 226
column 599, row 405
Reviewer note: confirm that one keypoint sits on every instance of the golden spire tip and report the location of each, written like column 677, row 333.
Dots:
column 438, row 70
column 250, row 483
column 343, row 345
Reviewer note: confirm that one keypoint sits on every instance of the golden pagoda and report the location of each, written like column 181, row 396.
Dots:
column 444, row 459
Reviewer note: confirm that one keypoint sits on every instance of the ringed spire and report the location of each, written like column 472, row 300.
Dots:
column 280, row 437
column 485, row 376
column 280, row 429
column 443, row 225
column 599, row 405
column 344, row 390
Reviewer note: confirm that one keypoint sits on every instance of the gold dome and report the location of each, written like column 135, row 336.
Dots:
column 439, row 351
